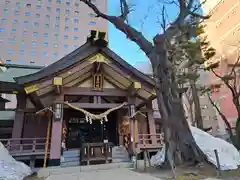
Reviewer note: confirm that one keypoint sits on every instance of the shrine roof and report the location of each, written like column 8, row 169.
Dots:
column 7, row 115
column 86, row 50
column 12, row 71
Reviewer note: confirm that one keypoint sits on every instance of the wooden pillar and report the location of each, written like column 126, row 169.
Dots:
column 19, row 116
column 56, row 139
column 151, row 122
column 131, row 112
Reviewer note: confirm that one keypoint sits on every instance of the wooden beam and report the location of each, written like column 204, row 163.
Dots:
column 95, row 105
column 145, row 102
column 147, row 87
column 134, row 88
column 82, row 91
column 36, row 100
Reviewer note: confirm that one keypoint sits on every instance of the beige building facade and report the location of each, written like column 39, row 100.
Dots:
column 40, row 32
column 223, row 32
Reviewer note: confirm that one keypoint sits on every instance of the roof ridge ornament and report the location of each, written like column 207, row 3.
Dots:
column 98, row 38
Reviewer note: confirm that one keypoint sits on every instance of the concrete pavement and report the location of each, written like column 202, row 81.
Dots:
column 110, row 174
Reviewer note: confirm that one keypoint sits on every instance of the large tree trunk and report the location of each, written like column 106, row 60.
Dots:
column 197, row 107
column 178, row 137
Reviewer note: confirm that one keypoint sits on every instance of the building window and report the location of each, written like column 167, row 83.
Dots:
column 66, row 28
column 67, row 11
column 75, row 29
column 19, row 61
column 76, row 5
column 36, row 24
column 32, row 62
column 68, row 3
column 5, row 11
column 56, row 26
column 92, row 23
column 49, row 8
column 34, row 53
column 28, row 5
column 35, row 33
column 65, row 36
column 27, row 14
column 25, row 22
column 4, row 20
column 56, row 35
column 55, row 45
column 54, row 54
column 58, row 1
column 45, row 35
column 8, row 61
column 38, row 6
column 22, row 42
column 14, row 30
column 45, row 44
column 10, row 51
column 34, row 43
column 7, row 1
column 76, row 13
column 37, row 15
column 15, row 21
column 44, row 54
column 57, row 18
column 25, row 32
column 75, row 47
column 11, row 41
column 67, row 19
column 65, row 46
column 16, row 12
column 46, row 25
column 18, row 4
column 75, row 38
column 91, row 14
column 1, row 29
column 48, row 17
column 76, row 21
column 58, row 10
column 22, row 52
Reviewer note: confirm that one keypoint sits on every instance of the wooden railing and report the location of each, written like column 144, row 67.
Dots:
column 21, row 146
column 149, row 141
column 91, row 152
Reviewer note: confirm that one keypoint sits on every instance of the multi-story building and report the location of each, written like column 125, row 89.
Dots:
column 40, row 32
column 223, row 32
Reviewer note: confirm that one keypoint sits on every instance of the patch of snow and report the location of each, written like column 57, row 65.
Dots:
column 229, row 156
column 10, row 169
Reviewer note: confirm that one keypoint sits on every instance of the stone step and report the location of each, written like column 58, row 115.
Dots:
column 71, row 152
column 71, row 159
column 120, row 160
column 71, row 155
column 68, row 164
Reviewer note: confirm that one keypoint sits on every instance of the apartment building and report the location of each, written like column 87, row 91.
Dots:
column 223, row 32
column 40, row 32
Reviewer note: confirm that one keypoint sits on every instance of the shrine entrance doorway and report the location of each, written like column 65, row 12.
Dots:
column 80, row 131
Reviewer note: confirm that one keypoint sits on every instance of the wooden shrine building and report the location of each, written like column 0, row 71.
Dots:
column 90, row 100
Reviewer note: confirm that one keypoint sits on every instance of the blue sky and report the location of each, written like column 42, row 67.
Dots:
column 145, row 18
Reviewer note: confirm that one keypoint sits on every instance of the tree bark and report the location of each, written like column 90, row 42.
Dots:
column 178, row 137
column 197, row 107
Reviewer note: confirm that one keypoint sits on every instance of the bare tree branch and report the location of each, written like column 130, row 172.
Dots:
column 124, row 9
column 226, row 82
column 120, row 24
column 224, row 118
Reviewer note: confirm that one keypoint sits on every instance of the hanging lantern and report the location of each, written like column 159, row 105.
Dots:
column 58, row 111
